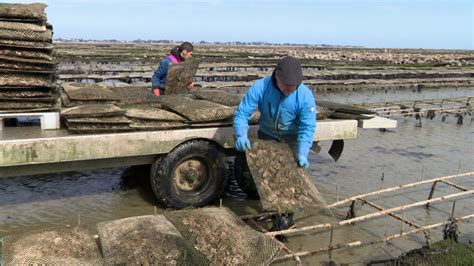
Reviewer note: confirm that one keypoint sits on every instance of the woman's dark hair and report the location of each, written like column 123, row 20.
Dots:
column 186, row 46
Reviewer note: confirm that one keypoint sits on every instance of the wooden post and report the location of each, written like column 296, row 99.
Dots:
column 431, row 193
column 403, row 223
column 452, row 210
column 351, row 213
column 99, row 245
column 330, row 244
column 423, row 172
column 382, row 179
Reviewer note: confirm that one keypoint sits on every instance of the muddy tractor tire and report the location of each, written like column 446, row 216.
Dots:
column 244, row 177
column 194, row 174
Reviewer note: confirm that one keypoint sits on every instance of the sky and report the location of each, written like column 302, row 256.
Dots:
column 430, row 24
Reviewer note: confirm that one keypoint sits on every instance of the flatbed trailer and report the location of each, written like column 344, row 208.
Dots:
column 189, row 166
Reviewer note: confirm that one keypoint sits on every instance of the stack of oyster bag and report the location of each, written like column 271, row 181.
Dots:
column 27, row 66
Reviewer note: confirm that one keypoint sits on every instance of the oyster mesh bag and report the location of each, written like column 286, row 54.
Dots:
column 222, row 238
column 25, row 54
column 101, row 120
column 68, row 246
column 180, row 75
column 144, row 240
column 146, row 124
column 344, row 108
column 149, row 113
column 220, row 97
column 135, row 95
column 92, row 110
column 26, row 35
column 23, row 11
column 281, row 184
column 38, row 45
column 89, row 92
column 16, row 105
column 19, row 26
column 19, row 80
column 197, row 110
column 323, row 112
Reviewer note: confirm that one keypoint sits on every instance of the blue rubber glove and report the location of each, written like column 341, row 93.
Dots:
column 242, row 143
column 303, row 162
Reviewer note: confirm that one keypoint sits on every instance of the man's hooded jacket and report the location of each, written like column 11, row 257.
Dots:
column 281, row 117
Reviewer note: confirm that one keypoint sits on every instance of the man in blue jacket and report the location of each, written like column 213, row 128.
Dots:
column 287, row 110
column 287, row 114
column 177, row 55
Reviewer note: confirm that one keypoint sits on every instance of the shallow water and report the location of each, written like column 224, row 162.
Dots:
column 403, row 155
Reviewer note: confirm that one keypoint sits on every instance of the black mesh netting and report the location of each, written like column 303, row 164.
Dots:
column 281, row 184
column 222, row 238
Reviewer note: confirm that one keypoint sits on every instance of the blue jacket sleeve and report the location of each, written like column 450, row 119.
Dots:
column 246, row 107
column 307, row 124
column 159, row 76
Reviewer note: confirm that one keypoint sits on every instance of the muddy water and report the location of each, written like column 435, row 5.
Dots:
column 403, row 155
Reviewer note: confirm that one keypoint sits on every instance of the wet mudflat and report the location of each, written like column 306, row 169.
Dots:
column 403, row 155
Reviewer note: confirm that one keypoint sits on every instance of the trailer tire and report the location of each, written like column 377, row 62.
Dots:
column 194, row 174
column 244, row 177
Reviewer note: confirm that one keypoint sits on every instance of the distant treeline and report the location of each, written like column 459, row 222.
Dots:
column 139, row 41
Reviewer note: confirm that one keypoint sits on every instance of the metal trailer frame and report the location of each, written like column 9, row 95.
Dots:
column 28, row 150
column 188, row 166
